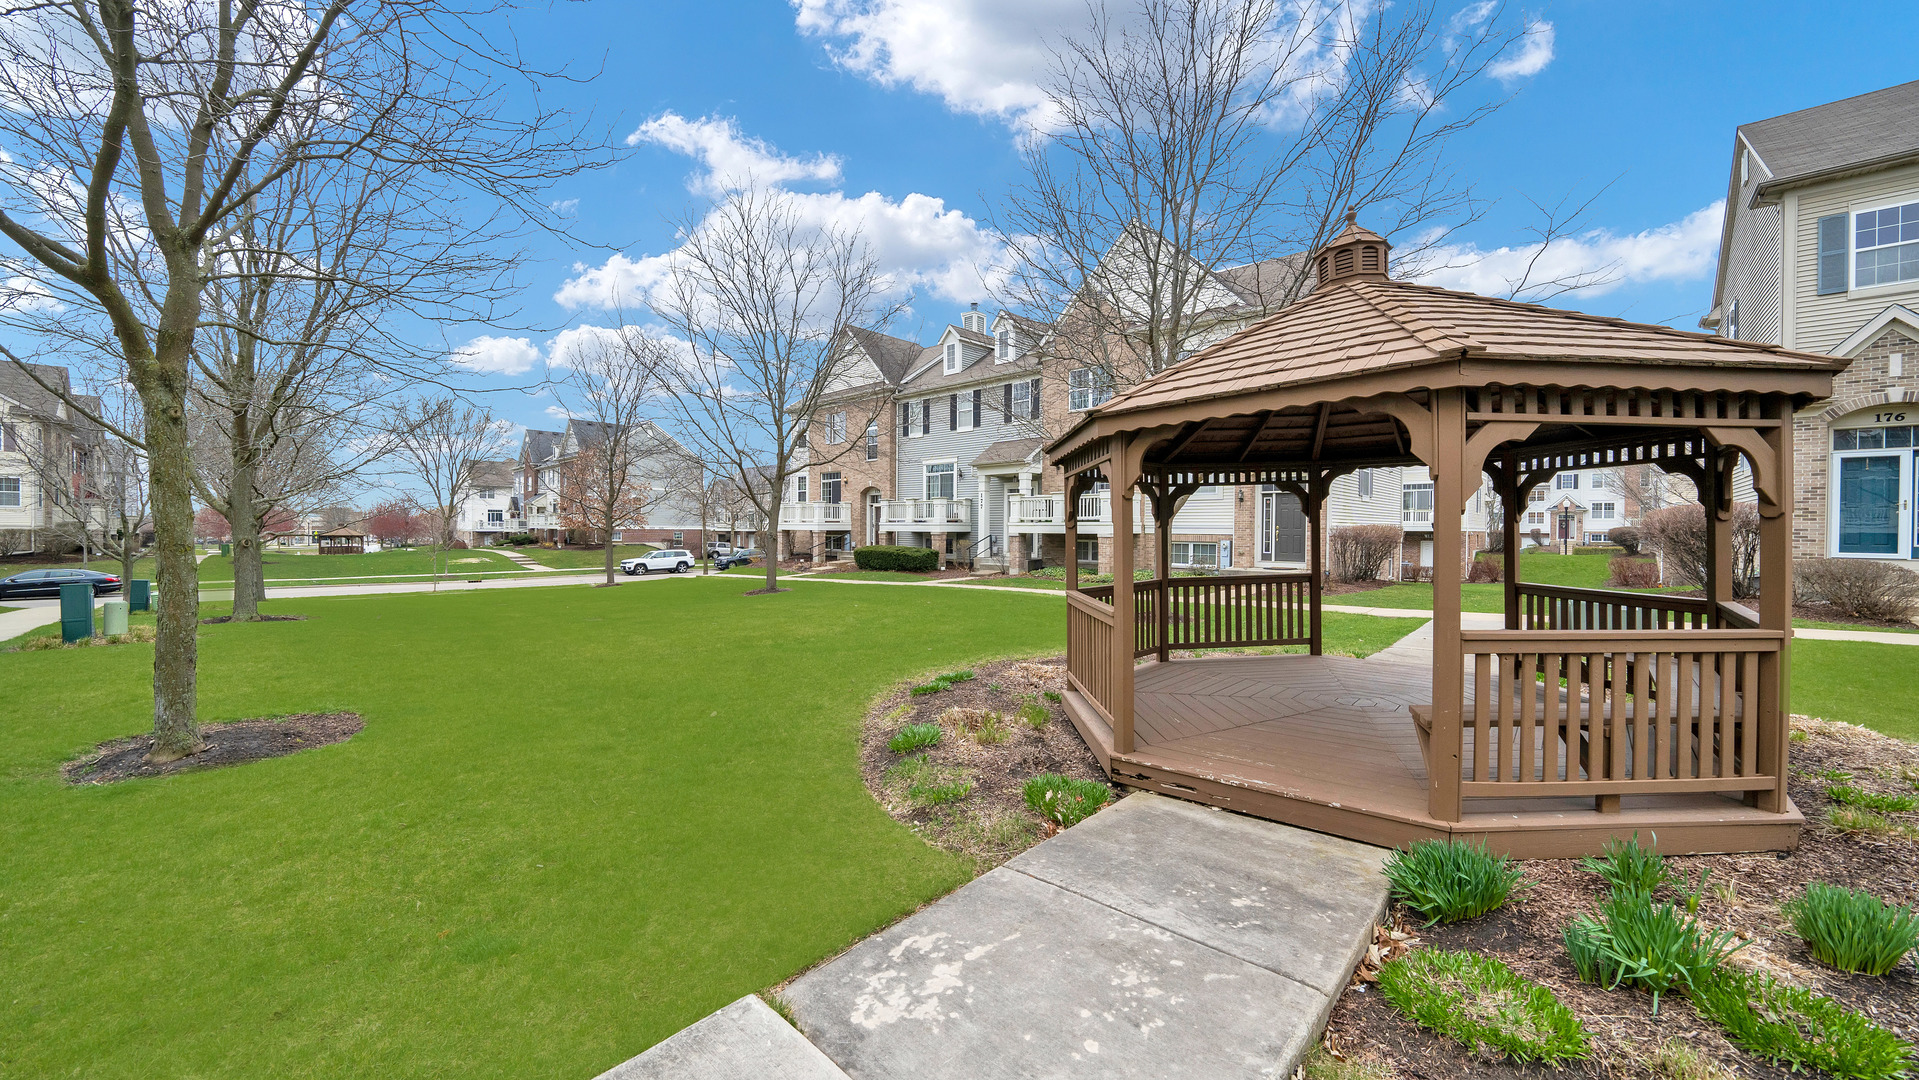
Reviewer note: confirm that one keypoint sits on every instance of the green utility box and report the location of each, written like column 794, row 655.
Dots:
column 76, row 611
column 226, row 549
column 139, row 595
column 114, row 618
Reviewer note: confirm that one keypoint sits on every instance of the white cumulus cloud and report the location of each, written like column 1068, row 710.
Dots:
column 1683, row 250
column 731, row 161
column 981, row 57
column 497, row 355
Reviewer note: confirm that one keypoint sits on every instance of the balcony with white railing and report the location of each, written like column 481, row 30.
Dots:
column 816, row 515
column 1035, row 511
column 1095, row 508
column 927, row 515
column 511, row 524
column 1416, row 520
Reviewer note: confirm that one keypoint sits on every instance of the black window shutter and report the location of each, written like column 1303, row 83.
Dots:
column 1034, row 398
column 906, row 418
column 1006, row 407
column 952, row 412
column 1832, row 254
column 979, row 418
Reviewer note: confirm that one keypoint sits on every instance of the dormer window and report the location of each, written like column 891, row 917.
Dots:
column 952, row 357
column 1003, row 347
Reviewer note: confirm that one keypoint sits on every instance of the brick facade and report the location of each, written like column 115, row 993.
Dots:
column 1867, row 384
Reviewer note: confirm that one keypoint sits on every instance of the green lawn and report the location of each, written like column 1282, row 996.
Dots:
column 572, row 558
column 1859, row 682
column 1810, row 624
column 878, row 575
column 423, row 561
column 496, row 878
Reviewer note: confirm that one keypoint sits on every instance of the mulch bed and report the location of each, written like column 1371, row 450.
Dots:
column 1827, row 613
column 227, row 744
column 1743, row 895
column 257, row 618
column 846, row 566
column 992, row 823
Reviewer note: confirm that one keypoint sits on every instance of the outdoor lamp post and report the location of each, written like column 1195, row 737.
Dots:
column 1566, row 530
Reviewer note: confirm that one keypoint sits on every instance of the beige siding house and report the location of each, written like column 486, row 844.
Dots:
column 1820, row 251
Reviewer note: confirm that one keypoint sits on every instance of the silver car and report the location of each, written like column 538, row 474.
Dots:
column 670, row 560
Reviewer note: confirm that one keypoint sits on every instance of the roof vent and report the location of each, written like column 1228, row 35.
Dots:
column 1356, row 254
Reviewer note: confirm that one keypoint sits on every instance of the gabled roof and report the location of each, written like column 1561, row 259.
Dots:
column 490, row 474
column 1868, row 131
column 17, row 386
column 1359, row 326
column 1009, row 452
column 539, row 446
column 1264, row 284
column 893, row 356
column 1033, row 327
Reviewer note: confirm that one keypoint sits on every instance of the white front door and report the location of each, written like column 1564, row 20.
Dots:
column 872, row 517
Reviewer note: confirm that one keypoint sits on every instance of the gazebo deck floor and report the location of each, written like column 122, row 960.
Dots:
column 1328, row 743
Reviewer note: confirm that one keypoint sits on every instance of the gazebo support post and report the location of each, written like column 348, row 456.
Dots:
column 1075, row 483
column 1449, row 652
column 1124, row 476
column 1715, row 500
column 1163, row 561
column 1316, row 549
column 1512, row 503
column 1775, row 613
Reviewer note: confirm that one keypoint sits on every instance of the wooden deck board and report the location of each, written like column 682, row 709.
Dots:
column 1329, row 743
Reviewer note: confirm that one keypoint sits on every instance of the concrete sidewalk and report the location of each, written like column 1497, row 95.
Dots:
column 1159, row 938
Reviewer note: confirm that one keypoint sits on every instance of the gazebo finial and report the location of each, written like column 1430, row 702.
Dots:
column 1357, row 253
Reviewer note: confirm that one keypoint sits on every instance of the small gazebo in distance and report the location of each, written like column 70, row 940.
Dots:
column 345, row 540
column 1591, row 714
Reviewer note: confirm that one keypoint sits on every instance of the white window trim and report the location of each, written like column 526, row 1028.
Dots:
column 952, row 357
column 963, row 408
column 1904, row 543
column 1853, row 210
column 926, row 470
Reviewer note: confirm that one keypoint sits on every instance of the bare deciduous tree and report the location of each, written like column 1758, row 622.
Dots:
column 436, row 440
column 1195, row 136
column 759, row 297
column 138, row 130
column 612, row 391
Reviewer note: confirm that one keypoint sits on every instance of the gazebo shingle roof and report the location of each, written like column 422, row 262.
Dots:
column 1361, row 326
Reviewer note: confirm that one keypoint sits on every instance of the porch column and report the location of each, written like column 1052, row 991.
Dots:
column 1125, row 474
column 1775, row 613
column 1069, row 507
column 1449, row 665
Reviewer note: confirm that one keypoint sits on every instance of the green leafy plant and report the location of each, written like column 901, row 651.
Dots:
column 990, row 731
column 1065, row 800
column 1056, row 697
column 1848, row 795
column 935, row 792
column 1446, row 881
column 1479, row 1001
column 1629, row 869
column 1797, row 1028
column 1831, row 776
column 1033, row 714
column 896, row 557
column 1851, row 929
column 914, row 737
column 1633, row 943
column 942, row 682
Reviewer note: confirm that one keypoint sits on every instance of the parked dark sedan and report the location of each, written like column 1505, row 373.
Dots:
column 48, row 582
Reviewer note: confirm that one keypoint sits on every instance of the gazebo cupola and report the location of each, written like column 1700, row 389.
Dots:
column 1357, row 253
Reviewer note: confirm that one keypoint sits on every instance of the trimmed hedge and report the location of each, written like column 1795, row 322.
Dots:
column 894, row 557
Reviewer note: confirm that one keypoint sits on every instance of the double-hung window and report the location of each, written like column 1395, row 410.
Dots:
column 1416, row 503
column 799, row 488
column 835, row 425
column 1567, row 481
column 1021, row 397
column 9, row 491
column 939, row 480
column 952, row 357
column 1204, row 555
column 1003, row 346
column 1885, row 246
column 1604, row 511
column 1364, row 480
column 966, row 418
column 830, row 487
column 1086, row 388
column 873, row 441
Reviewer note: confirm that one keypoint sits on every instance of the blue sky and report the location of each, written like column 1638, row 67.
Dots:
column 901, row 114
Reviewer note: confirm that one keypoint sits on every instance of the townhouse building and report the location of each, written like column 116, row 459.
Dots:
column 1820, row 251
column 490, row 511
column 671, row 516
column 833, row 503
column 48, row 499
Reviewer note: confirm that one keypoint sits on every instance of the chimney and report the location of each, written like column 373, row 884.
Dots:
column 1356, row 254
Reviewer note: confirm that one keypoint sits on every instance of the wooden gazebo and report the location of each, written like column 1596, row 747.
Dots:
column 345, row 540
column 1590, row 714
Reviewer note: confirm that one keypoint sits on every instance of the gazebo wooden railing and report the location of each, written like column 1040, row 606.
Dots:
column 1586, row 698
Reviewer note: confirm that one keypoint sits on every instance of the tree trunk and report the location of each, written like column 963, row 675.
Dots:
column 773, row 524
column 609, row 554
column 249, row 575
column 176, row 729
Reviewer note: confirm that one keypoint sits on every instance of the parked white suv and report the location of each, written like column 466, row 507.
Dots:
column 671, row 560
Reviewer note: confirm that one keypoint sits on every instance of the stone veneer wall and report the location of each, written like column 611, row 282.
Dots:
column 1868, row 382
